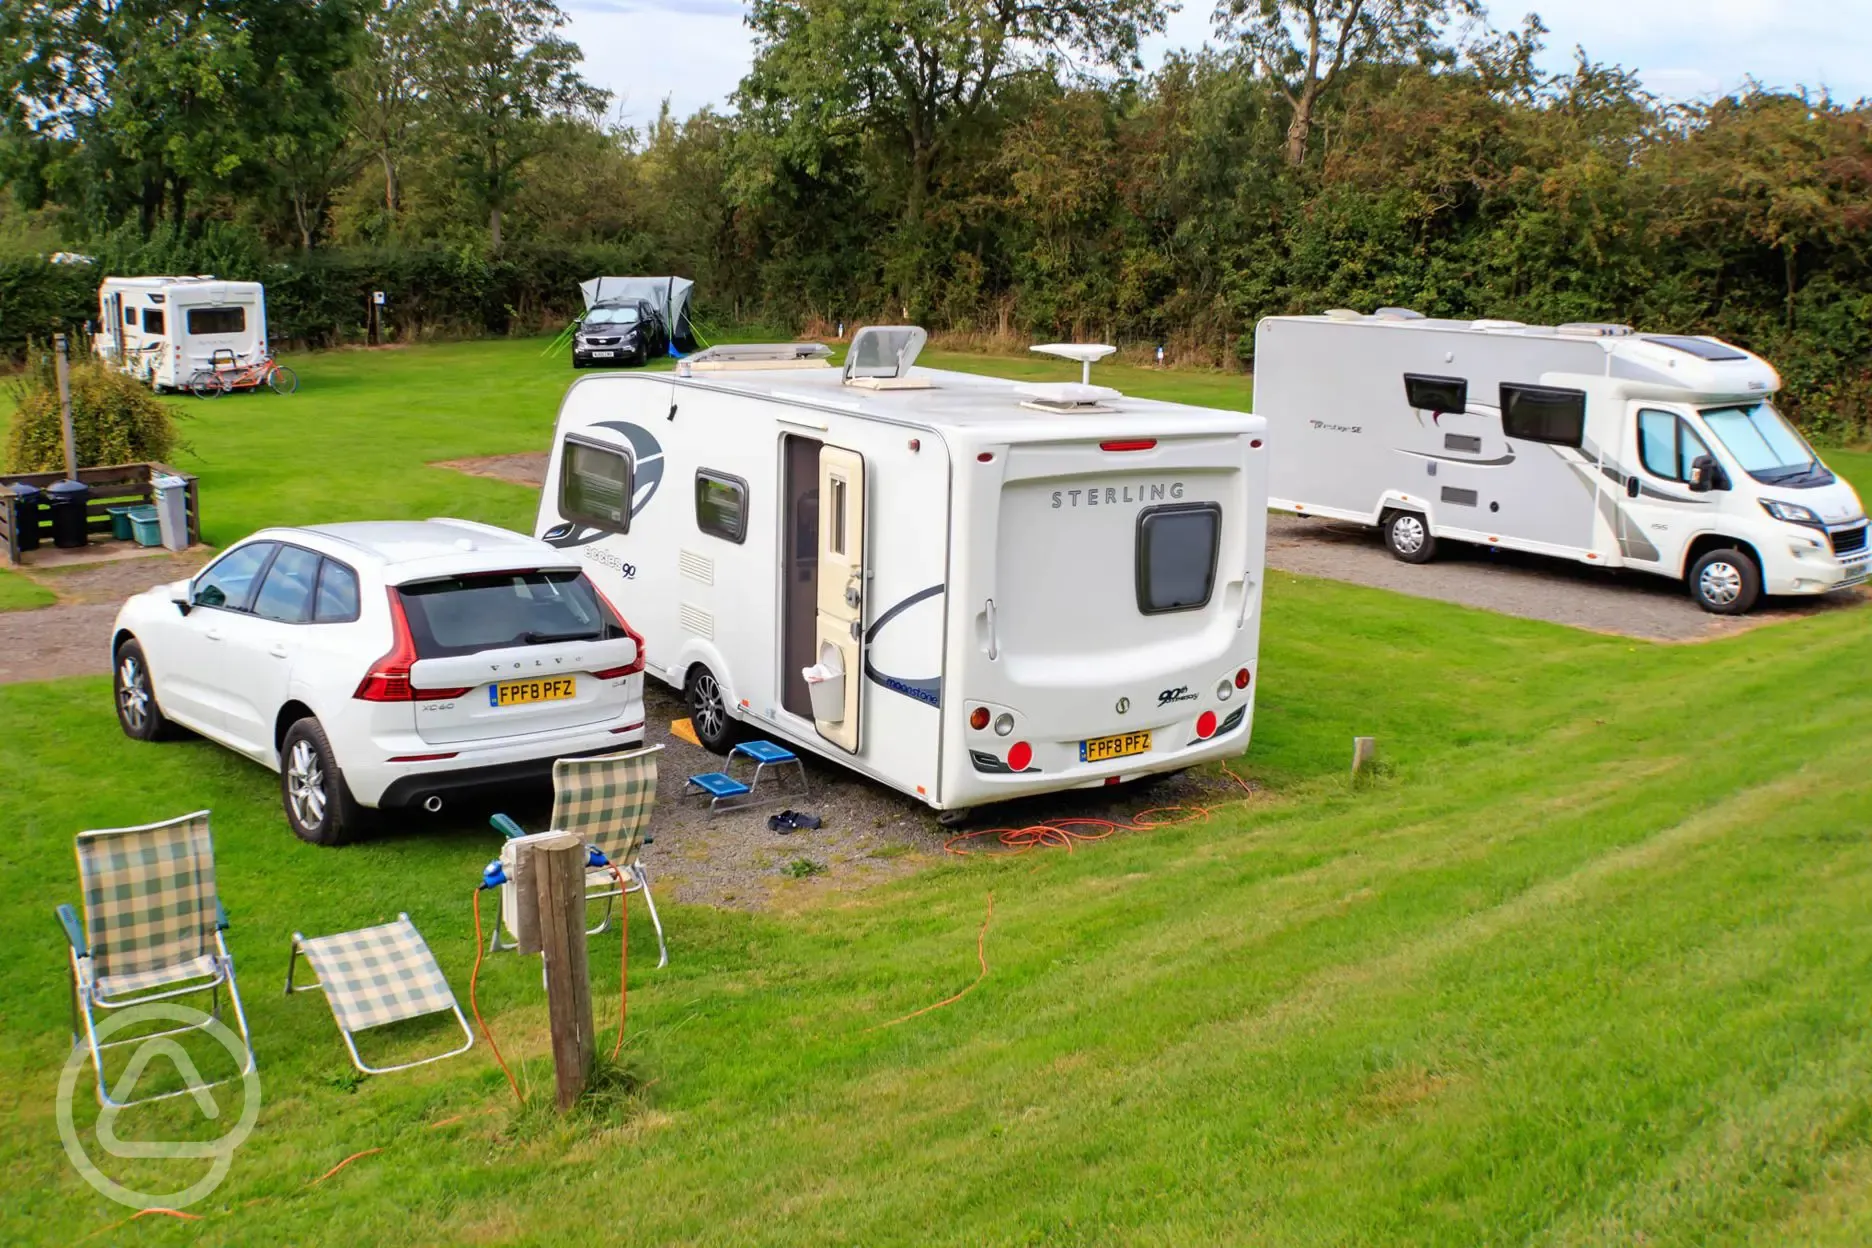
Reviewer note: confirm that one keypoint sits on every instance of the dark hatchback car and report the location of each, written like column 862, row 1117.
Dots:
column 622, row 331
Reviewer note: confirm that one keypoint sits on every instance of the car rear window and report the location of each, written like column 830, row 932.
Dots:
column 468, row 614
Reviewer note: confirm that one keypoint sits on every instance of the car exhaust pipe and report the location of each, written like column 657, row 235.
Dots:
column 432, row 803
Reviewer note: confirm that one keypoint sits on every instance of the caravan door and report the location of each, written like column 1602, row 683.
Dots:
column 840, row 624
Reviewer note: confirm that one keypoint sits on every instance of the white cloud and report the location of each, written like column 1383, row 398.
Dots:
column 695, row 51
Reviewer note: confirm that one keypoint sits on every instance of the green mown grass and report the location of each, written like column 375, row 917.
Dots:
column 1590, row 962
column 21, row 593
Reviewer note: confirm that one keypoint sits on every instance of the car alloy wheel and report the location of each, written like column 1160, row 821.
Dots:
column 134, row 700
column 305, row 785
column 711, row 715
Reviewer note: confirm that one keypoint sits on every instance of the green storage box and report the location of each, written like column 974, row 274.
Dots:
column 120, row 522
column 146, row 526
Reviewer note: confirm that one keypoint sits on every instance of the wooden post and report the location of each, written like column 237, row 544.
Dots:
column 63, row 365
column 1364, row 754
column 559, row 877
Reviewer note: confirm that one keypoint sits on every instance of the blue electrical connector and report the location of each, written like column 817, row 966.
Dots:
column 494, row 876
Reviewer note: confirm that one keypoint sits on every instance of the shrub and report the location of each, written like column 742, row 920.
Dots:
column 115, row 419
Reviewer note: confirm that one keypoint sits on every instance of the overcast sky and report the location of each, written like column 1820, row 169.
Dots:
column 695, row 51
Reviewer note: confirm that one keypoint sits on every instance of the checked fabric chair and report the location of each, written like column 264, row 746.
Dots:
column 376, row 976
column 606, row 801
column 152, row 931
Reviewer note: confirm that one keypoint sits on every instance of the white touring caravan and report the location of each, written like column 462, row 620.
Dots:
column 166, row 329
column 1659, row 452
column 966, row 589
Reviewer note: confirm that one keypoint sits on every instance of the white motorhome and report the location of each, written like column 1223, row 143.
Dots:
column 166, row 329
column 1659, row 452
column 966, row 589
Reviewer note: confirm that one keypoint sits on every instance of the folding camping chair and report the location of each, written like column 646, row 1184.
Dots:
column 606, row 801
column 376, row 976
column 152, row 930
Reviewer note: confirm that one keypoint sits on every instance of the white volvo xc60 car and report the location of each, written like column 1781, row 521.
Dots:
column 383, row 664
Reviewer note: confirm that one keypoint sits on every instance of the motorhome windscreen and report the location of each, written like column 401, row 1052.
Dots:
column 1436, row 394
column 1544, row 414
column 217, row 320
column 467, row 614
column 1176, row 557
column 595, row 486
column 1764, row 444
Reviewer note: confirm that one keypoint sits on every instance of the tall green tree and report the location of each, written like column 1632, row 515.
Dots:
column 500, row 73
column 383, row 89
column 1307, row 47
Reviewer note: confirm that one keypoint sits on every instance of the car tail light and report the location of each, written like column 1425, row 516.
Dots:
column 978, row 718
column 1206, row 725
column 388, row 679
column 635, row 665
column 1020, row 757
column 1242, row 678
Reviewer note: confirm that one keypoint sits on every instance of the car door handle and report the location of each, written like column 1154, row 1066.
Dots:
column 1631, row 487
column 213, row 634
column 277, row 650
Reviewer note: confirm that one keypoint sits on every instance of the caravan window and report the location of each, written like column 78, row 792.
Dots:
column 1176, row 556
column 721, row 505
column 1544, row 414
column 217, row 320
column 130, row 317
column 1436, row 394
column 152, row 321
column 595, row 486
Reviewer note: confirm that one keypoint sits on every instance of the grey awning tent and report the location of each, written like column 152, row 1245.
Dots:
column 668, row 295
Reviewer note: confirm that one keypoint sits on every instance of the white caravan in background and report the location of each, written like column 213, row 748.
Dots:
column 1659, row 452
column 164, row 330
column 966, row 589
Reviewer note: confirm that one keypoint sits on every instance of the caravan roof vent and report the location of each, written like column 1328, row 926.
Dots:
column 755, row 355
column 1070, row 398
column 1596, row 329
column 881, row 356
column 1087, row 353
column 1343, row 314
column 1398, row 314
column 1495, row 324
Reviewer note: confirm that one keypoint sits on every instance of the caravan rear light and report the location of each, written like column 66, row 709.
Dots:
column 1242, row 678
column 986, row 457
column 635, row 665
column 1004, row 724
column 1020, row 757
column 1129, row 444
column 1206, row 725
column 388, row 679
column 978, row 718
column 1224, row 690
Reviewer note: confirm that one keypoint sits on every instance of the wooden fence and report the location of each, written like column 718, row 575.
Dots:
column 114, row 485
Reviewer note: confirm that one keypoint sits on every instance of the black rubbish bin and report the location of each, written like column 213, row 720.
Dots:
column 26, row 504
column 66, row 501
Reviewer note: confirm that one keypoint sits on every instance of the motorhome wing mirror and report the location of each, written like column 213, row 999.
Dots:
column 1702, row 474
column 183, row 605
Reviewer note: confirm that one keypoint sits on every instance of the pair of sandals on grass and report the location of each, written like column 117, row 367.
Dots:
column 792, row 821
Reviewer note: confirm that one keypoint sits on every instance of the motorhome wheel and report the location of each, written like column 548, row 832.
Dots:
column 1407, row 535
column 708, row 712
column 1725, row 582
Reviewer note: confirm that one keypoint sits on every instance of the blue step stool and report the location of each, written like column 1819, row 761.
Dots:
column 766, row 754
column 718, row 785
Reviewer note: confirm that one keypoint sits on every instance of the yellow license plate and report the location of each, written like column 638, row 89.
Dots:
column 1125, row 744
column 520, row 692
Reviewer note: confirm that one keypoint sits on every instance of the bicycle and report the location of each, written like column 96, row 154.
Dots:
column 224, row 375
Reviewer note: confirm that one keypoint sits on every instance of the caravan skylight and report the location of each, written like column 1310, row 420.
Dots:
column 883, row 353
column 1702, row 348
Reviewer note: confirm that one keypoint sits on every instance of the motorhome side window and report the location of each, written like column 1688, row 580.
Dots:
column 1667, row 445
column 130, row 317
column 1176, row 557
column 721, row 505
column 152, row 320
column 217, row 320
column 595, row 486
column 1436, row 394
column 1544, row 414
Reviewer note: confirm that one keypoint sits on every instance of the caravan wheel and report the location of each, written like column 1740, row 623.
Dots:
column 708, row 712
column 1407, row 535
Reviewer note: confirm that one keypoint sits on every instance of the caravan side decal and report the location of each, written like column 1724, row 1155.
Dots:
column 927, row 690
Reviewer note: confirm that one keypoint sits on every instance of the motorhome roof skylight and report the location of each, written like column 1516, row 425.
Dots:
column 755, row 355
column 1702, row 348
column 1087, row 353
column 1398, row 314
column 883, row 353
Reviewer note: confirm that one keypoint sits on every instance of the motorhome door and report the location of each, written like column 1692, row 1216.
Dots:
column 840, row 630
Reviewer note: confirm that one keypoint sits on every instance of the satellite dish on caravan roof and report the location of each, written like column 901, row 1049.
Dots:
column 1087, row 353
